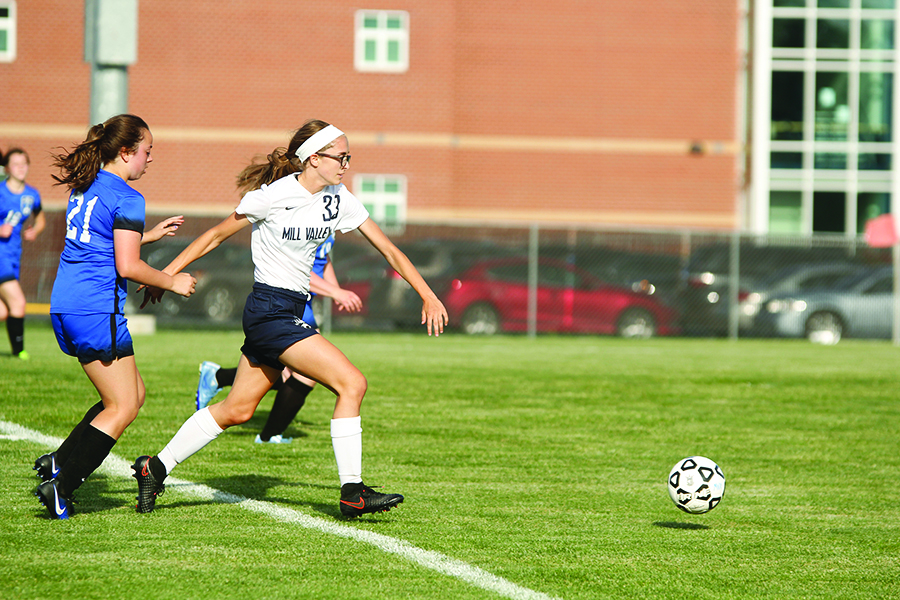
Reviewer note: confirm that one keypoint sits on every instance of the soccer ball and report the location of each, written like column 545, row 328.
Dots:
column 696, row 485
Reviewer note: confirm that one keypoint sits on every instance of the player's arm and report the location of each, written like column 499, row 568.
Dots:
column 434, row 315
column 328, row 286
column 40, row 223
column 127, row 248
column 162, row 229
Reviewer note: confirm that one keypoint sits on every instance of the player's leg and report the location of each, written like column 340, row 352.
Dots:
column 289, row 399
column 13, row 298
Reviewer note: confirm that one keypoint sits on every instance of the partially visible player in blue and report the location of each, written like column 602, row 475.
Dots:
column 294, row 202
column 291, row 388
column 104, row 234
column 18, row 201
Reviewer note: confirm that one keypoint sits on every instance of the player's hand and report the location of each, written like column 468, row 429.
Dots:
column 183, row 284
column 434, row 316
column 162, row 229
column 6, row 230
column 151, row 294
column 347, row 300
column 29, row 235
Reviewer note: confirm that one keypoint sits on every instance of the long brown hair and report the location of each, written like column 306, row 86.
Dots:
column 281, row 162
column 79, row 168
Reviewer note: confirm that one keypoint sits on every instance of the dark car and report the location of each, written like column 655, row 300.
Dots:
column 493, row 296
column 224, row 280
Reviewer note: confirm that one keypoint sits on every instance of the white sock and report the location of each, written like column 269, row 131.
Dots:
column 196, row 433
column 346, row 438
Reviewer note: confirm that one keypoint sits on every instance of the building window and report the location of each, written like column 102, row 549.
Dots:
column 382, row 41
column 7, row 31
column 384, row 196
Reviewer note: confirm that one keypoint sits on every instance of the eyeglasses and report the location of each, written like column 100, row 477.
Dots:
column 344, row 159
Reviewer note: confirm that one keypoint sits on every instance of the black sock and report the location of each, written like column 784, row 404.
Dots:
column 225, row 377
column 288, row 402
column 15, row 327
column 65, row 449
column 93, row 447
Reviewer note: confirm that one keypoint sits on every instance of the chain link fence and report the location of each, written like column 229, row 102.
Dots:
column 537, row 279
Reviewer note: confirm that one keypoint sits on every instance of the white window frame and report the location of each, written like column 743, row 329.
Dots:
column 8, row 24
column 382, row 37
column 378, row 201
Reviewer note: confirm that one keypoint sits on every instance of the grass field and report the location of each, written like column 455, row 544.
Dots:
column 531, row 469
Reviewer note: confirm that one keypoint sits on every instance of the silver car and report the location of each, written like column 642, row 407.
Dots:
column 859, row 306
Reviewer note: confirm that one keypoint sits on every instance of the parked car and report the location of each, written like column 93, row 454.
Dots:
column 860, row 306
column 224, row 280
column 492, row 296
column 706, row 280
column 795, row 279
column 393, row 301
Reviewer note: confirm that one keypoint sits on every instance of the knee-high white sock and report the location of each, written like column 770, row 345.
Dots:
column 196, row 433
column 346, row 438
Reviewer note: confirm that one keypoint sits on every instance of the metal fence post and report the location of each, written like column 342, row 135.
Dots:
column 734, row 267
column 532, row 279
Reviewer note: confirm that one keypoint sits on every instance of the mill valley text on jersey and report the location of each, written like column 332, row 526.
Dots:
column 312, row 233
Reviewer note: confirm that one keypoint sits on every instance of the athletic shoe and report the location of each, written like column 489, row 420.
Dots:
column 275, row 439
column 148, row 486
column 59, row 506
column 46, row 467
column 23, row 355
column 208, row 386
column 358, row 499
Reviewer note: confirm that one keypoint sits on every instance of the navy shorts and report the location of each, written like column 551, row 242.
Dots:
column 103, row 337
column 273, row 322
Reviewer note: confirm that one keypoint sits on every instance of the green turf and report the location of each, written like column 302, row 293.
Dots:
column 539, row 461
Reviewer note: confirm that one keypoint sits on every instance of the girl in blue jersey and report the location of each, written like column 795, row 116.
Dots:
column 104, row 234
column 291, row 388
column 18, row 201
column 295, row 202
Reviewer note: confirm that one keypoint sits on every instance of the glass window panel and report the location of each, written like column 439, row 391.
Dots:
column 787, row 160
column 875, row 107
column 368, row 185
column 834, row 3
column 391, row 186
column 874, row 162
column 830, row 160
column 789, row 3
column 785, row 212
column 393, row 51
column 832, row 106
column 829, row 212
column 4, row 44
column 370, row 22
column 787, row 105
column 833, row 33
column 788, row 33
column 4, row 13
column 390, row 213
column 877, row 34
column 878, row 3
column 870, row 205
column 370, row 207
column 394, row 23
column 370, row 50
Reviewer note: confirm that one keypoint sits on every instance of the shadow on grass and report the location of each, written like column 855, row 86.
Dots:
column 677, row 525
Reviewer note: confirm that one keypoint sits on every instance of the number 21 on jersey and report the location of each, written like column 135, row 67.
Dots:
column 72, row 230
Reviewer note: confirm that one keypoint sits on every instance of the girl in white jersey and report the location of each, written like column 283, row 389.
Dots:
column 296, row 201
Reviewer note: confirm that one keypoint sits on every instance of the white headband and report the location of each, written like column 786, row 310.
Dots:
column 317, row 141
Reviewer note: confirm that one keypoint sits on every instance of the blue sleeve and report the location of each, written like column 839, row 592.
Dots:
column 130, row 213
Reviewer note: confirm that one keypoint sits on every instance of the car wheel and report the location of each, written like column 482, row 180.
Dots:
column 636, row 323
column 220, row 304
column 481, row 319
column 824, row 328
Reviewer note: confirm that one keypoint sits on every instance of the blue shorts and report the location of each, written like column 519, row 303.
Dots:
column 88, row 338
column 308, row 315
column 272, row 324
column 9, row 268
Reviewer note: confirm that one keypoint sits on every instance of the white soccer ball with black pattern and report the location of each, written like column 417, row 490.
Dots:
column 696, row 485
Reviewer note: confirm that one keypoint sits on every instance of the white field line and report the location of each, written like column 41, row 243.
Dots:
column 435, row 561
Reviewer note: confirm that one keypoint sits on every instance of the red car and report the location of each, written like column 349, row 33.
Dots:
column 492, row 296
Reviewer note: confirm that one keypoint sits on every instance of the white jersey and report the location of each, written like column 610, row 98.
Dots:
column 289, row 223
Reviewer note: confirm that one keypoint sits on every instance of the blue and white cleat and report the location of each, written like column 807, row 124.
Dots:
column 275, row 439
column 46, row 467
column 59, row 506
column 208, row 386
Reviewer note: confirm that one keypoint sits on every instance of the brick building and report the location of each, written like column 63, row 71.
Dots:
column 625, row 112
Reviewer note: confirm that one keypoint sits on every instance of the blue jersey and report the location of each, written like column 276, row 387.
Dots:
column 87, row 281
column 15, row 210
column 321, row 259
